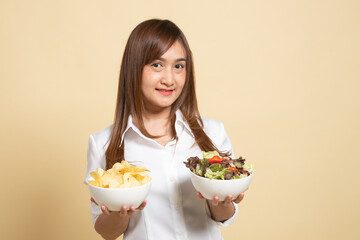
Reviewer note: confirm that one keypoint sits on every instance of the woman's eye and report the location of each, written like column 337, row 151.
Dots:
column 156, row 65
column 179, row 66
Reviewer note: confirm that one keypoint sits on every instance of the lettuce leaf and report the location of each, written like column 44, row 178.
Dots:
column 210, row 154
column 214, row 175
column 216, row 167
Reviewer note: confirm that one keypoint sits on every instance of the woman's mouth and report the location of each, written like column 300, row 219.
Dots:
column 165, row 92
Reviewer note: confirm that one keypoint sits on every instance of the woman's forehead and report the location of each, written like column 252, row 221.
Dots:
column 176, row 51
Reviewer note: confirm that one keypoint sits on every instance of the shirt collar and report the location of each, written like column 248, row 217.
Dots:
column 128, row 126
column 179, row 120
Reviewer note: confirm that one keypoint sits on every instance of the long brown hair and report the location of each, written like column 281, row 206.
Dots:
column 147, row 42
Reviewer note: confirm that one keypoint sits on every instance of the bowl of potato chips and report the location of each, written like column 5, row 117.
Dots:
column 122, row 185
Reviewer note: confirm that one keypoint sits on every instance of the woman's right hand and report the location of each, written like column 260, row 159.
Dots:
column 124, row 211
column 111, row 224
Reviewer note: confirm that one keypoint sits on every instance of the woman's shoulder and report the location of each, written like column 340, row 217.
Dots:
column 210, row 123
column 216, row 132
column 213, row 128
column 102, row 137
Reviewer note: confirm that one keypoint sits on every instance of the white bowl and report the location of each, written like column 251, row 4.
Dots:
column 211, row 187
column 115, row 198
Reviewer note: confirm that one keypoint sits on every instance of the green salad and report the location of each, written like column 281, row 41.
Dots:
column 217, row 166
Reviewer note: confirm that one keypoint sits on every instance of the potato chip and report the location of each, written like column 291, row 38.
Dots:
column 121, row 175
column 118, row 166
column 96, row 178
column 100, row 171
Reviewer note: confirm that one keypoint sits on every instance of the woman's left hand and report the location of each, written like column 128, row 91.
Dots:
column 222, row 210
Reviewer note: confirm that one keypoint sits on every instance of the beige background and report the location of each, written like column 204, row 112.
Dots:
column 282, row 75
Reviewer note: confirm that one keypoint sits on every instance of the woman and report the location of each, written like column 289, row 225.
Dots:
column 158, row 125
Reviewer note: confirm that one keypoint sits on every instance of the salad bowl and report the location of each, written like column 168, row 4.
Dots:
column 211, row 187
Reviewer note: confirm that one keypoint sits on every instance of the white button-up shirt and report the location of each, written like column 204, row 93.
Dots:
column 173, row 210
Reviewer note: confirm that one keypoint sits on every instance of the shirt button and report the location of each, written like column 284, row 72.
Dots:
column 171, row 179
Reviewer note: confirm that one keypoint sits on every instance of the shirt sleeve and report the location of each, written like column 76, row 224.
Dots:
column 225, row 143
column 93, row 162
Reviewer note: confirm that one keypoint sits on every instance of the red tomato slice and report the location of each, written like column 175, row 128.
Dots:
column 233, row 169
column 215, row 159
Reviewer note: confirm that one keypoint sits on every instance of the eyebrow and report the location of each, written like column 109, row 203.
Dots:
column 177, row 60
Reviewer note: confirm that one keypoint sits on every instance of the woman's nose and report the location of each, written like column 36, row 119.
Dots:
column 167, row 78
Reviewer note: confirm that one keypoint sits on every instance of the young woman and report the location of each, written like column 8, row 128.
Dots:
column 158, row 125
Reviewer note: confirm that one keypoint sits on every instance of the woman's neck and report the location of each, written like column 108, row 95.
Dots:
column 159, row 124
column 150, row 116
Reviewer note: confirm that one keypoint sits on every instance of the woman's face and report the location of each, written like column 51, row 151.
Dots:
column 163, row 79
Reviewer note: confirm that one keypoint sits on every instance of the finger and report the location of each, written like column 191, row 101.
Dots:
column 228, row 199
column 131, row 210
column 239, row 198
column 215, row 200
column 123, row 210
column 200, row 195
column 93, row 200
column 105, row 210
column 142, row 206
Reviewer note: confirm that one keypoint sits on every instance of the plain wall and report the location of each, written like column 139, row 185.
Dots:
column 282, row 75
